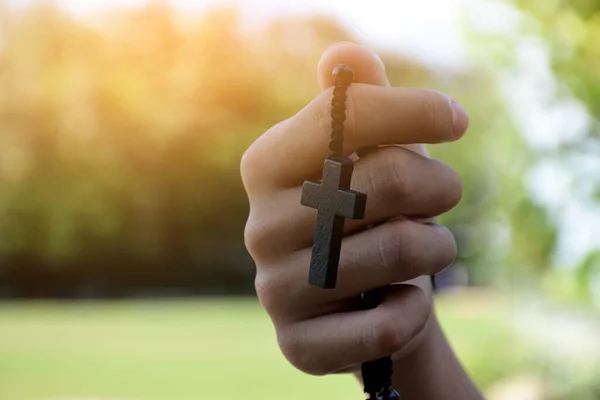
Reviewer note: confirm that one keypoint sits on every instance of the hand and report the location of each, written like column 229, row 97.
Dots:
column 320, row 331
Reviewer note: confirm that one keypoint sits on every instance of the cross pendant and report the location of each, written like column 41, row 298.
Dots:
column 334, row 202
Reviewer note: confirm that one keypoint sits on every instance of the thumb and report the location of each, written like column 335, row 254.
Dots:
column 368, row 67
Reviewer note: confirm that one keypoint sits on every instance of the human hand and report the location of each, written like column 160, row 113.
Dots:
column 324, row 331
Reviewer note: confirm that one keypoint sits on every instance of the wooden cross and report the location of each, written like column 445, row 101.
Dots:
column 334, row 202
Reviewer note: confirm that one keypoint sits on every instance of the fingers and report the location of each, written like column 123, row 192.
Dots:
column 293, row 150
column 396, row 251
column 368, row 69
column 319, row 331
column 397, row 181
column 368, row 66
column 338, row 341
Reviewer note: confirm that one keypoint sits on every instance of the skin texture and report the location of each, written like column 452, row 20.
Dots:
column 397, row 245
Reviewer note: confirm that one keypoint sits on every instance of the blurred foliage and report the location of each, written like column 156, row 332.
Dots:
column 572, row 30
column 120, row 145
column 120, row 141
column 570, row 33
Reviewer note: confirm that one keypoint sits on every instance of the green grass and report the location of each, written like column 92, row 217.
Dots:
column 183, row 350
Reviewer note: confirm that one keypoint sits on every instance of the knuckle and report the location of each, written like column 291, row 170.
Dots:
column 271, row 292
column 406, row 257
column 252, row 238
column 436, row 111
column 323, row 102
column 257, row 236
column 430, row 112
column 383, row 338
column 390, row 252
column 295, row 351
column 320, row 110
column 252, row 163
column 387, row 178
column 248, row 164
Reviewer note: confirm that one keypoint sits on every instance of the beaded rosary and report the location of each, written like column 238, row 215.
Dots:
column 335, row 202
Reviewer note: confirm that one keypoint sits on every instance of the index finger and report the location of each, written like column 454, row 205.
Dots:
column 294, row 150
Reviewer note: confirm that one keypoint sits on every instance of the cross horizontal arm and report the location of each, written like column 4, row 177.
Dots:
column 310, row 194
column 351, row 204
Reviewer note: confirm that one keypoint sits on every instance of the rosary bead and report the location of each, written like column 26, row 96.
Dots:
column 338, row 127
column 344, row 74
column 338, row 118
column 340, row 92
column 393, row 396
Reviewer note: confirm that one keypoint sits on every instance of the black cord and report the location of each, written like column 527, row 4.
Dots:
column 343, row 75
column 376, row 374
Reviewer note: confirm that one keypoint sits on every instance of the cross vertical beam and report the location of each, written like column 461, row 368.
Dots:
column 334, row 202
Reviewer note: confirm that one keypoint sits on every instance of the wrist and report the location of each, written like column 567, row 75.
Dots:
column 427, row 336
column 420, row 345
column 429, row 369
column 402, row 359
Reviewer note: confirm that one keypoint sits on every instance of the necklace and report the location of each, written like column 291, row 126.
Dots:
column 335, row 202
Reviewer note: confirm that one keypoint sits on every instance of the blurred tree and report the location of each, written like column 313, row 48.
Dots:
column 120, row 142
column 502, row 235
column 572, row 29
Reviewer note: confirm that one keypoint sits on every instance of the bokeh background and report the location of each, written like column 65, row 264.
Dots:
column 123, row 274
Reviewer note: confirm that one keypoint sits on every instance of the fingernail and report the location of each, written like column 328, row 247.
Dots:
column 460, row 118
